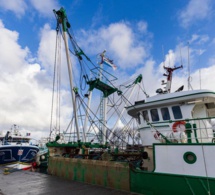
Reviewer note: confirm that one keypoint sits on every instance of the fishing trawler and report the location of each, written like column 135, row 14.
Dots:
column 16, row 149
column 177, row 133
column 177, row 151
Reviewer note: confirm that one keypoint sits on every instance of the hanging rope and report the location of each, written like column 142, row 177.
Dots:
column 53, row 84
column 58, row 84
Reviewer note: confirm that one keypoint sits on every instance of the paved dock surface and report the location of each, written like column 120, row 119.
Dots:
column 35, row 183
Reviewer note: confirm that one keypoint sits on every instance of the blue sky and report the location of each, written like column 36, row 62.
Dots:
column 137, row 34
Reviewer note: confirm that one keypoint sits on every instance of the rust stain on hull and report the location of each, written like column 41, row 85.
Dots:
column 104, row 173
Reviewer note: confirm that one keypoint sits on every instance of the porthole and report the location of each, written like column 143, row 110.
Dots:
column 190, row 157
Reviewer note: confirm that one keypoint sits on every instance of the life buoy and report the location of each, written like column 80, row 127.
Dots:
column 177, row 125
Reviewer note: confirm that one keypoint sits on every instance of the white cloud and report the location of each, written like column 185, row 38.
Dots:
column 212, row 60
column 200, row 78
column 170, row 59
column 25, row 99
column 199, row 39
column 46, row 56
column 12, row 55
column 179, row 56
column 17, row 6
column 45, row 7
column 26, row 85
column 195, row 10
column 142, row 26
column 46, row 51
column 176, row 58
column 151, row 77
column 120, row 40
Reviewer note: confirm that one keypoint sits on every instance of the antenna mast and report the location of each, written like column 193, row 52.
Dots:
column 188, row 67
column 163, row 56
column 103, row 105
column 169, row 76
column 200, row 79
column 181, row 57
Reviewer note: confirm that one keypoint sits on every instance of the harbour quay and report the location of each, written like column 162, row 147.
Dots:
column 35, row 183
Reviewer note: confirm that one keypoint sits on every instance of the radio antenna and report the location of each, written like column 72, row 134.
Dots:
column 181, row 56
column 200, row 79
column 163, row 56
column 188, row 67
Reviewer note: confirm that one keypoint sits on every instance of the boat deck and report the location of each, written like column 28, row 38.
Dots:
column 35, row 183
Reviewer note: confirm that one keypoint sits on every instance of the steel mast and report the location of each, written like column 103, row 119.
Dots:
column 62, row 19
column 103, row 106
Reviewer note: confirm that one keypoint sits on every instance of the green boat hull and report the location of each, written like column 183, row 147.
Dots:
column 150, row 183
column 122, row 177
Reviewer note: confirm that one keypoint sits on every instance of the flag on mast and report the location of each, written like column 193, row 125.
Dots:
column 108, row 62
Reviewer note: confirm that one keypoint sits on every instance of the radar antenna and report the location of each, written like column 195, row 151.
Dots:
column 168, row 74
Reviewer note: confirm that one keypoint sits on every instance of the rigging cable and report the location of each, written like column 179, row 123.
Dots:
column 58, row 87
column 53, row 84
column 98, row 119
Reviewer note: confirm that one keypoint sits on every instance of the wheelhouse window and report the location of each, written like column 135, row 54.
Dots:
column 165, row 113
column 177, row 112
column 145, row 115
column 154, row 114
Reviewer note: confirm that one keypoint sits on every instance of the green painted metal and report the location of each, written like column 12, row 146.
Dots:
column 78, row 144
column 190, row 157
column 188, row 131
column 104, row 173
column 80, row 53
column 138, row 79
column 149, row 183
column 106, row 89
column 195, row 133
column 62, row 18
column 75, row 89
column 120, row 176
column 57, row 138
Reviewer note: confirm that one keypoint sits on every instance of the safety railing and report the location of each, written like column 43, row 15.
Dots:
column 197, row 130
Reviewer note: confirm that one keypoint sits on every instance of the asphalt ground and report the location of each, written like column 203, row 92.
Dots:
column 35, row 183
